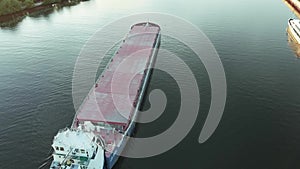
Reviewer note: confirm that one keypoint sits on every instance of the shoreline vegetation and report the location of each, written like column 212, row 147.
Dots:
column 14, row 11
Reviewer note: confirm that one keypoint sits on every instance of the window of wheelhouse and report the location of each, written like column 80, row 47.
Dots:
column 61, row 149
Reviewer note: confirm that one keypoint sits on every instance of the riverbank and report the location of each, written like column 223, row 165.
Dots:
column 14, row 18
column 294, row 5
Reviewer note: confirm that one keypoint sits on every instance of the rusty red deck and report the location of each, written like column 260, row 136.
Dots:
column 99, row 106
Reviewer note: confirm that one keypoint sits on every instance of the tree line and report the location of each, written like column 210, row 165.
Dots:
column 11, row 6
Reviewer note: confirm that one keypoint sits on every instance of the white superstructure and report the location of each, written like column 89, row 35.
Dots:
column 77, row 149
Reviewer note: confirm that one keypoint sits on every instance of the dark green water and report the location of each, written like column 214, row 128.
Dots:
column 261, row 123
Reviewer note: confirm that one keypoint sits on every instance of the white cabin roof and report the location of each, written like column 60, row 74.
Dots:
column 73, row 139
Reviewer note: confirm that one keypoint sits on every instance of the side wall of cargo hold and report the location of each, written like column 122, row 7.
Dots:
column 140, row 38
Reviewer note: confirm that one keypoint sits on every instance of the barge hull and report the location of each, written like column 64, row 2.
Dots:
column 98, row 112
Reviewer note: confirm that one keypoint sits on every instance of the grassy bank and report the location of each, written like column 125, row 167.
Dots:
column 14, row 11
column 13, row 6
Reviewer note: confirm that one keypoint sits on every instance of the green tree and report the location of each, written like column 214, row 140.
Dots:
column 28, row 3
column 9, row 6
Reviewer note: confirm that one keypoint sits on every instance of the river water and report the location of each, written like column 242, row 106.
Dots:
column 261, row 122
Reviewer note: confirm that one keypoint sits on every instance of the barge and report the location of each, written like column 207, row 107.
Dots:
column 100, row 130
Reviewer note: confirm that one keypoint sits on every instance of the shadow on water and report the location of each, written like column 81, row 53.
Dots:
column 12, row 23
column 42, row 14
